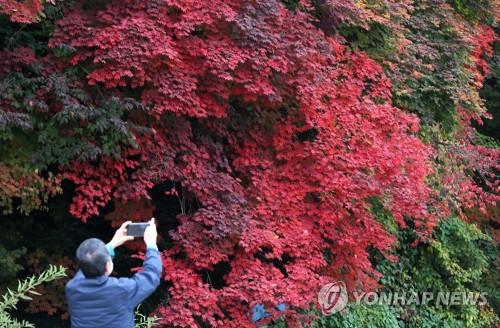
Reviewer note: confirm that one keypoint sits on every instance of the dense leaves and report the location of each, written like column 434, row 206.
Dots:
column 268, row 122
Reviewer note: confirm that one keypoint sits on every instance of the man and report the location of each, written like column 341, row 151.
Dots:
column 97, row 300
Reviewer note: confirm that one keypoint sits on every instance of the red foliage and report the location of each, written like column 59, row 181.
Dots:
column 22, row 11
column 14, row 60
column 292, row 134
column 482, row 48
column 482, row 161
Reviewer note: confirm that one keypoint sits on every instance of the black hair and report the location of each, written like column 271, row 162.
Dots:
column 92, row 257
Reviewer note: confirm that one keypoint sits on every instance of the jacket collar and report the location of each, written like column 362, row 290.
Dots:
column 99, row 279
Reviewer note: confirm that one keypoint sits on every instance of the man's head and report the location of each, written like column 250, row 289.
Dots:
column 93, row 258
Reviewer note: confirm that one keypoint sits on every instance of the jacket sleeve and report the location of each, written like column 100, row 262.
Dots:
column 143, row 283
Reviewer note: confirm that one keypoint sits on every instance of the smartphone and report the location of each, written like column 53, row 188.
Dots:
column 136, row 229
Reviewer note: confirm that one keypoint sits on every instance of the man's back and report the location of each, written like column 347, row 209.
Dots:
column 109, row 302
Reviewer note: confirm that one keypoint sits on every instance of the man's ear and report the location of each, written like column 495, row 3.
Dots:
column 109, row 268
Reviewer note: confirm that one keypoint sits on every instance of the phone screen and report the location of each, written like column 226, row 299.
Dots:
column 136, row 229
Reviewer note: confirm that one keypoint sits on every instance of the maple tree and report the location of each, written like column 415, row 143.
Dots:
column 275, row 135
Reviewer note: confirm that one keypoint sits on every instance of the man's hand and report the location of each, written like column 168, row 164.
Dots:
column 150, row 233
column 121, row 236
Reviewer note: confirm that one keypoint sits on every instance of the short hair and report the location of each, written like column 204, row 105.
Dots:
column 92, row 257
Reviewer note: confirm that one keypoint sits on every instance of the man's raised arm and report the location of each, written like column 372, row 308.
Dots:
column 144, row 283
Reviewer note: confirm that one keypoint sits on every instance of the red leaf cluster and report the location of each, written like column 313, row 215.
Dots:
column 278, row 131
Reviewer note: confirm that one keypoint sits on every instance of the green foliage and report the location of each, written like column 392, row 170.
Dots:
column 455, row 255
column 434, row 73
column 143, row 321
column 489, row 281
column 486, row 141
column 85, row 126
column 435, row 94
column 453, row 262
column 378, row 41
column 360, row 315
column 25, row 287
column 383, row 216
column 429, row 102
column 474, row 10
column 291, row 4
column 8, row 263
column 429, row 317
column 491, row 95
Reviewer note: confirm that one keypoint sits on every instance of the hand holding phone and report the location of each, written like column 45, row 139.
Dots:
column 150, row 235
column 121, row 236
